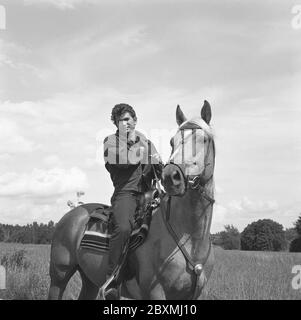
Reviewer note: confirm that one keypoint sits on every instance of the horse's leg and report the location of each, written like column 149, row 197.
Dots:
column 89, row 290
column 206, row 273
column 63, row 265
column 131, row 290
column 59, row 280
column 63, row 255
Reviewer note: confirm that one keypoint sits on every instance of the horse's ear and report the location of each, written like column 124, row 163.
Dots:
column 206, row 112
column 180, row 116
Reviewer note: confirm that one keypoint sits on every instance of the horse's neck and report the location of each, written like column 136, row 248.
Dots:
column 191, row 214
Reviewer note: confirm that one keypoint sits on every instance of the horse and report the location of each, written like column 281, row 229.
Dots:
column 176, row 259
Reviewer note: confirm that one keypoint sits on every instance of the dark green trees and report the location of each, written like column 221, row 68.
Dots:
column 229, row 239
column 295, row 245
column 263, row 235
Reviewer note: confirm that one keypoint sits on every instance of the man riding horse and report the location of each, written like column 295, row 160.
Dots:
column 131, row 160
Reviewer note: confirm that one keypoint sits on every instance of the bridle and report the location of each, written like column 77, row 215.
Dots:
column 197, row 183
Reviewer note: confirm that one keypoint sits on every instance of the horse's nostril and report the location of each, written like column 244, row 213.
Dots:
column 176, row 176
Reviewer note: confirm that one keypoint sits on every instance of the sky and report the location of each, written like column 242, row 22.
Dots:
column 65, row 64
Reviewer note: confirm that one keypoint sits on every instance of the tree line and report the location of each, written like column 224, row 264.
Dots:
column 261, row 235
column 31, row 233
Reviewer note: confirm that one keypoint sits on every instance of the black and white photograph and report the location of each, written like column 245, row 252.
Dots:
column 150, row 150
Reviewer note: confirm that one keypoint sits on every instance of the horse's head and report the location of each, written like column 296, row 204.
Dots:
column 191, row 164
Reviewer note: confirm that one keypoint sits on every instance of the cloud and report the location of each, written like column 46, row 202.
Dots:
column 42, row 183
column 72, row 4
column 219, row 213
column 60, row 4
column 245, row 205
column 29, row 210
column 25, row 108
column 91, row 163
column 108, row 50
column 244, row 211
column 11, row 141
column 52, row 161
column 10, row 54
column 62, row 72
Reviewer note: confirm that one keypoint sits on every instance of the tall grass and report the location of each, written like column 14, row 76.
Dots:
column 249, row 275
column 236, row 274
column 27, row 268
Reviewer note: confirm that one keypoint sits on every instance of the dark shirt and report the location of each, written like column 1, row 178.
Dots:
column 129, row 169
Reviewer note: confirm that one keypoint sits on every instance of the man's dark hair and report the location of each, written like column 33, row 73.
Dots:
column 119, row 110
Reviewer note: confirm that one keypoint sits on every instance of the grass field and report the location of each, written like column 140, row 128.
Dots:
column 236, row 274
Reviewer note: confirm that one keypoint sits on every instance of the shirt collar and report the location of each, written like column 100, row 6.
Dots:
column 129, row 142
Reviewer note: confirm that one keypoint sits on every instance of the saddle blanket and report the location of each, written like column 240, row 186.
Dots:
column 97, row 234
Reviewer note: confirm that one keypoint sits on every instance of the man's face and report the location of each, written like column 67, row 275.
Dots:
column 126, row 122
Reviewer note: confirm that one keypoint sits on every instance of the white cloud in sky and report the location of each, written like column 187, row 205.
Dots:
column 23, row 109
column 61, row 72
column 11, row 141
column 258, row 207
column 42, row 183
column 244, row 211
column 10, row 54
column 72, row 4
column 219, row 214
column 24, row 212
column 53, row 160
column 92, row 162
column 60, row 4
column 28, row 210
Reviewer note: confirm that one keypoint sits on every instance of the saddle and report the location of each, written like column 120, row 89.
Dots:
column 99, row 230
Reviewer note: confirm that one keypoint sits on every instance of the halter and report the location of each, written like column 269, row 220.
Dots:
column 197, row 183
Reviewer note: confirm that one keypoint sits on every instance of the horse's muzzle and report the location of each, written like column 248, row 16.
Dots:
column 173, row 180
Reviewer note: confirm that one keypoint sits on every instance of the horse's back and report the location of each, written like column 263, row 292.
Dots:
column 69, row 231
column 66, row 252
column 76, row 217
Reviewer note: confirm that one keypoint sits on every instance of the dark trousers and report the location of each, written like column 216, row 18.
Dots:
column 124, row 206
